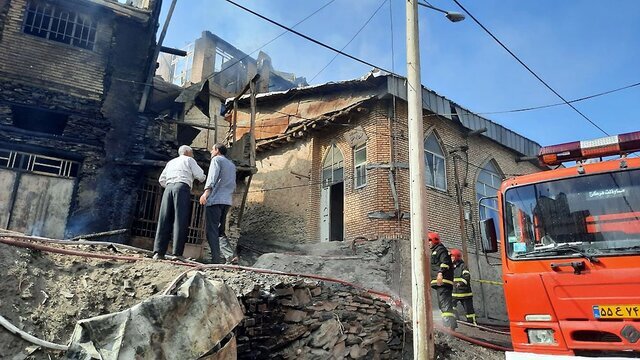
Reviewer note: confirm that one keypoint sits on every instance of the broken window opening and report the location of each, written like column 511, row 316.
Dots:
column 221, row 60
column 58, row 24
column 181, row 67
column 39, row 120
column 38, row 164
column 148, row 208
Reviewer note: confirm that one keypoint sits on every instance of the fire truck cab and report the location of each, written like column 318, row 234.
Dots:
column 570, row 246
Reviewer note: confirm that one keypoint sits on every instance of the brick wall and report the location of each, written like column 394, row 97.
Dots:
column 441, row 210
column 41, row 62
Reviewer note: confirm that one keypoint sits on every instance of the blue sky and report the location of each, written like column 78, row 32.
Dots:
column 580, row 47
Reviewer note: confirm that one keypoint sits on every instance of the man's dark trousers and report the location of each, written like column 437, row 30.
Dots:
column 175, row 211
column 445, row 303
column 214, row 215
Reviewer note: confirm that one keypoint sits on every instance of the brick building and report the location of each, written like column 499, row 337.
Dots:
column 71, row 138
column 333, row 165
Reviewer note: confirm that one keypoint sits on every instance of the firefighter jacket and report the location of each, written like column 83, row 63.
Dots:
column 441, row 263
column 462, row 280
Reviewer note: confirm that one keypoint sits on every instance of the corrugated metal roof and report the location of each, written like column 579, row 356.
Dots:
column 440, row 105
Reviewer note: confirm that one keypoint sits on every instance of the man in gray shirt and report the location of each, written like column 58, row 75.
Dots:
column 217, row 197
column 175, row 209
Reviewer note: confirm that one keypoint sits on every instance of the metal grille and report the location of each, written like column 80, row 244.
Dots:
column 38, row 164
column 148, row 208
column 58, row 24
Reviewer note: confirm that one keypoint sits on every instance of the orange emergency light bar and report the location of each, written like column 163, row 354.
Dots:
column 588, row 149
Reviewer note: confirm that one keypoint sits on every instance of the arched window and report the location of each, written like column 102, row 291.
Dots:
column 488, row 183
column 333, row 167
column 435, row 163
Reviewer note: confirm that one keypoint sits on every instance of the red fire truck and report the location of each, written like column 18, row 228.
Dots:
column 570, row 245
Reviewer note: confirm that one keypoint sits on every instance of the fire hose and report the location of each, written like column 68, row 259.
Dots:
column 471, row 340
column 195, row 266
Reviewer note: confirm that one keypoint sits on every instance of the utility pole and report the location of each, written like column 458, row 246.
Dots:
column 423, row 347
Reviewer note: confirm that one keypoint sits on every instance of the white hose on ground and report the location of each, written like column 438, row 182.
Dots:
column 30, row 338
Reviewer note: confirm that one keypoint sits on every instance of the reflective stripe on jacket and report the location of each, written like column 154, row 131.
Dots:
column 441, row 263
column 462, row 280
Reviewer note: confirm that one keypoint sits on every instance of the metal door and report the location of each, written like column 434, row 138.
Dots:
column 35, row 192
column 41, row 205
column 325, row 223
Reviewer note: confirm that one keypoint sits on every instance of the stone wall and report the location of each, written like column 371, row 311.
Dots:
column 313, row 320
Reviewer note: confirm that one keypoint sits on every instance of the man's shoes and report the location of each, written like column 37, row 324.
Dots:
column 157, row 256
column 180, row 258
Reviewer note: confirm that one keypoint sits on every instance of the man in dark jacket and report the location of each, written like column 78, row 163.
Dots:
column 462, row 286
column 442, row 278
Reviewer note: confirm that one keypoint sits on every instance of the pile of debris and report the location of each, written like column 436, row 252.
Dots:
column 287, row 317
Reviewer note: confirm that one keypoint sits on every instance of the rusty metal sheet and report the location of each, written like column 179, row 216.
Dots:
column 266, row 127
column 275, row 121
column 315, row 108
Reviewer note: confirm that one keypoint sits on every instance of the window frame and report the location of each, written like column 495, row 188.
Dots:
column 495, row 176
column 433, row 171
column 79, row 22
column 356, row 166
column 334, row 166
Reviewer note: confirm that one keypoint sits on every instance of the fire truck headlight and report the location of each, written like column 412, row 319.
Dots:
column 541, row 336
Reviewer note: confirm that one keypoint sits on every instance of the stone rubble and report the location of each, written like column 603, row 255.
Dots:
column 314, row 320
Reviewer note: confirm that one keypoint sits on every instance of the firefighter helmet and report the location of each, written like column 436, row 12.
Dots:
column 456, row 254
column 434, row 238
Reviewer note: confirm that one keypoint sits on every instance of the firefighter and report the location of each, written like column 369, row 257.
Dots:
column 442, row 278
column 462, row 286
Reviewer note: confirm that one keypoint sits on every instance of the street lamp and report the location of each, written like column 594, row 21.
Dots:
column 422, row 318
column 451, row 15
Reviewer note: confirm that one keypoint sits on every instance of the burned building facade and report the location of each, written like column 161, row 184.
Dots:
column 212, row 58
column 71, row 137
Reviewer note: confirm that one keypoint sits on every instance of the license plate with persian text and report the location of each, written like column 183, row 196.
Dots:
column 616, row 311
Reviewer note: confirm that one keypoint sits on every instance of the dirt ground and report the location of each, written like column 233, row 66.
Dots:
column 45, row 294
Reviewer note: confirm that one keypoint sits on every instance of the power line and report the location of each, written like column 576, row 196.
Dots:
column 529, row 69
column 237, row 61
column 317, row 42
column 558, row 104
column 349, row 177
column 270, row 41
column 388, row 134
column 350, row 41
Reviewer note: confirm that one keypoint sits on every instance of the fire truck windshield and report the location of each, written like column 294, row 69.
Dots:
column 586, row 216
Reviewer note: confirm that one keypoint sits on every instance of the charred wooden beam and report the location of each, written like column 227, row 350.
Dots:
column 172, row 51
